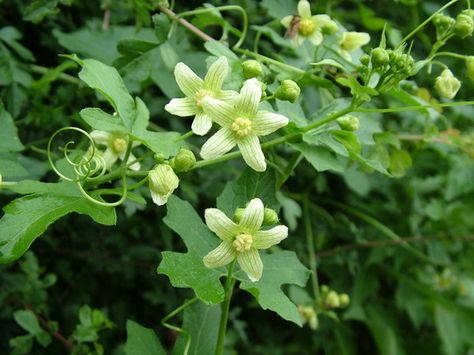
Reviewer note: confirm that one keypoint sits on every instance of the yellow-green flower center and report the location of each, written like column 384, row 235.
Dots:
column 243, row 242
column 119, row 145
column 242, row 127
column 306, row 27
column 200, row 94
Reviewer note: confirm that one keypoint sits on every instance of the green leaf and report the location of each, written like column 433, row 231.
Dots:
column 101, row 120
column 364, row 93
column 202, row 326
column 321, row 158
column 279, row 8
column 349, row 140
column 187, row 269
column 142, row 341
column 26, row 218
column 9, row 141
column 10, row 167
column 249, row 185
column 280, row 268
column 106, row 80
column 27, row 320
column 218, row 49
column 400, row 161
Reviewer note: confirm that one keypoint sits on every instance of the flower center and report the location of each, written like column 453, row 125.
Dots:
column 200, row 95
column 119, row 145
column 306, row 27
column 242, row 242
column 242, row 127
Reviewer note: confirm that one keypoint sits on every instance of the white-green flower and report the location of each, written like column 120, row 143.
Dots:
column 196, row 89
column 162, row 182
column 351, row 41
column 243, row 240
column 116, row 144
column 309, row 27
column 447, row 85
column 241, row 124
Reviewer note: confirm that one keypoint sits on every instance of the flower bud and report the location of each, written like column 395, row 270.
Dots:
column 470, row 67
column 364, row 59
column 238, row 214
column 252, row 69
column 447, row 85
column 324, row 289
column 162, row 182
column 159, row 158
column 379, row 57
column 330, row 28
column 270, row 217
column 443, row 24
column 344, row 299
column 183, row 161
column 332, row 300
column 348, row 123
column 351, row 41
column 464, row 26
column 308, row 314
column 288, row 91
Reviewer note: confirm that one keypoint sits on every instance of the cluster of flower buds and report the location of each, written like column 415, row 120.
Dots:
column 270, row 217
column 348, row 123
column 330, row 299
column 462, row 26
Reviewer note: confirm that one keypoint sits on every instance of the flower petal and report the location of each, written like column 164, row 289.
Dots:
column 216, row 74
column 219, row 223
column 182, row 107
column 268, row 122
column 265, row 239
column 320, row 20
column 219, row 144
column 252, row 153
column 304, row 9
column 135, row 166
column 252, row 217
column 221, row 112
column 202, row 123
column 250, row 95
column 101, row 137
column 251, row 263
column 316, row 38
column 159, row 199
column 109, row 157
column 286, row 21
column 220, row 256
column 187, row 80
column 229, row 96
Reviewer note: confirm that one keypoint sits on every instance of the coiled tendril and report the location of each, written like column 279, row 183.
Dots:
column 87, row 167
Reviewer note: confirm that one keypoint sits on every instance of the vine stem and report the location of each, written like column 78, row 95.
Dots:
column 424, row 23
column 313, row 264
column 414, row 108
column 228, row 288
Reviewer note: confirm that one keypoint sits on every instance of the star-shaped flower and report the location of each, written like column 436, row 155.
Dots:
column 116, row 147
column 351, row 41
column 196, row 89
column 243, row 240
column 241, row 124
column 309, row 26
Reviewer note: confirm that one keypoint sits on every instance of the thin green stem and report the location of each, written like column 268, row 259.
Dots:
column 164, row 323
column 184, row 136
column 450, row 54
column 424, row 23
column 290, row 167
column 64, row 77
column 414, row 108
column 313, row 264
column 228, row 288
column 245, row 19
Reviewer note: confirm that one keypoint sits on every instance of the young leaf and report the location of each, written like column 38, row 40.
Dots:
column 26, row 218
column 9, row 141
column 280, row 268
column 142, row 341
column 187, row 269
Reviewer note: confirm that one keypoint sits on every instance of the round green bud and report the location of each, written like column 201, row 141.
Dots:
column 470, row 67
column 468, row 12
column 344, row 299
column 348, row 123
column 252, row 69
column 464, row 26
column 238, row 214
column 330, row 28
column 443, row 23
column 380, row 57
column 183, row 161
column 447, row 85
column 159, row 158
column 364, row 59
column 288, row 91
column 324, row 289
column 270, row 217
column 332, row 300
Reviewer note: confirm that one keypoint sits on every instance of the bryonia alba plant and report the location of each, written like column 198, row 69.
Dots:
column 292, row 107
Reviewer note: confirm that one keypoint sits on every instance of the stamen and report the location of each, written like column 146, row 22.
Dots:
column 243, row 242
column 242, row 127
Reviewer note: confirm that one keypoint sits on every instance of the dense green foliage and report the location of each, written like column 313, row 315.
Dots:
column 373, row 175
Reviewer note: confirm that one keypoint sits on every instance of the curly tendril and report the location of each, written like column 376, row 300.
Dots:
column 87, row 168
